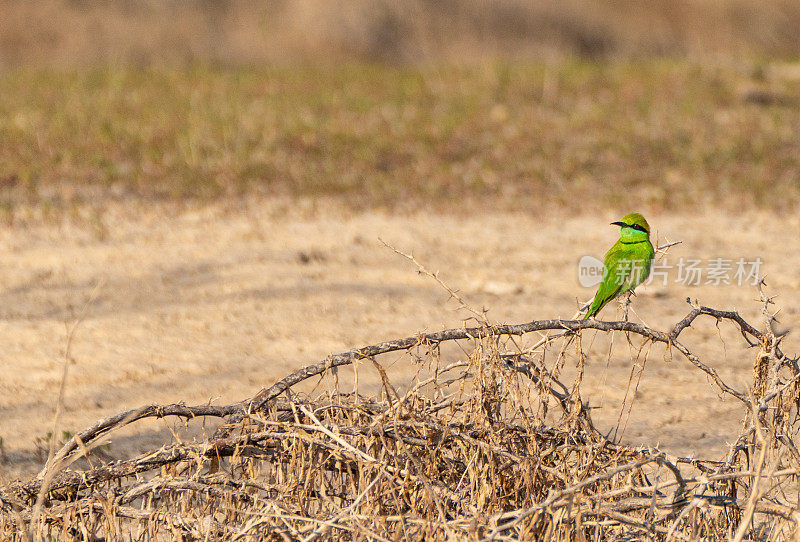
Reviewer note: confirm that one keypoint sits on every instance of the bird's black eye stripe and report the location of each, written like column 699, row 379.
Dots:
column 632, row 226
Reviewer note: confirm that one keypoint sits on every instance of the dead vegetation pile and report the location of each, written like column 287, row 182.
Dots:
column 485, row 441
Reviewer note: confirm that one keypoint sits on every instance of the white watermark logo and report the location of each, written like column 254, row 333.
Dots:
column 687, row 271
column 590, row 271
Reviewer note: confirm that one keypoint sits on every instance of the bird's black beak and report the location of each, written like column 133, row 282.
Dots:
column 618, row 224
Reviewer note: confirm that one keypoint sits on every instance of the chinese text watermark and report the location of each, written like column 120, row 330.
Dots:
column 687, row 271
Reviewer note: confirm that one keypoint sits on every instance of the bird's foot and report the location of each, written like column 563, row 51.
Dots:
column 626, row 304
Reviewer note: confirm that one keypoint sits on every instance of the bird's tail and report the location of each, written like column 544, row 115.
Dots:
column 586, row 307
column 594, row 307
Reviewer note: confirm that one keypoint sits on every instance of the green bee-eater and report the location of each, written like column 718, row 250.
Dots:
column 627, row 263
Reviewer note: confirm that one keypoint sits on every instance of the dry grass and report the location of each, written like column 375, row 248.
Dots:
column 485, row 441
column 661, row 134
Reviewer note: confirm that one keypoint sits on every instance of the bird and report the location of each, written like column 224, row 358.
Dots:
column 627, row 264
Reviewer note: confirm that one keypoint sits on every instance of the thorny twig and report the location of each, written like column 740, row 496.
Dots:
column 457, row 452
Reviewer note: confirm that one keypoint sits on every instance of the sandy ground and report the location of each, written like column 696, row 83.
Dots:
column 211, row 303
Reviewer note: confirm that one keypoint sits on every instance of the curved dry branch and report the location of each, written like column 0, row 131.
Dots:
column 106, row 425
column 238, row 411
column 458, row 444
column 744, row 326
column 433, row 339
column 65, row 483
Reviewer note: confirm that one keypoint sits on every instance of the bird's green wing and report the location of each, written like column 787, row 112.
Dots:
column 639, row 260
column 605, row 293
column 624, row 268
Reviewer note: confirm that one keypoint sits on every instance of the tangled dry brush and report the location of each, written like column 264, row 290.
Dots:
column 485, row 441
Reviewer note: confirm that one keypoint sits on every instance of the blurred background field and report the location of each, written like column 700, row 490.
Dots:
column 223, row 170
column 401, row 104
column 662, row 133
column 237, row 32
